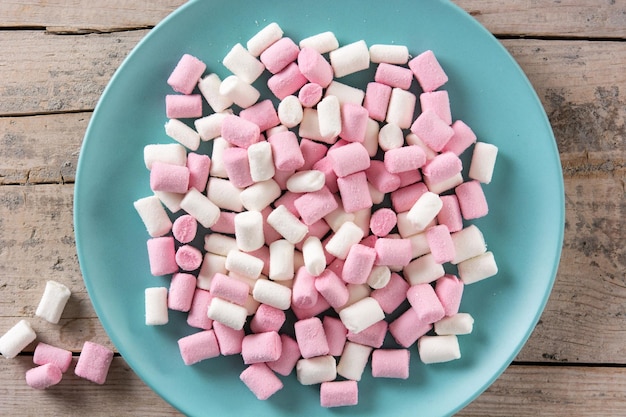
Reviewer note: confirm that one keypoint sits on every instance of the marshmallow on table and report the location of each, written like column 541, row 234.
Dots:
column 428, row 71
column 354, row 192
column 279, row 54
column 353, row 360
column 449, row 290
column 288, row 225
column 156, row 306
column 393, row 75
column 436, row 349
column 169, row 177
column 267, row 319
column 188, row 257
column 346, row 236
column 281, row 260
column 354, row 119
column 332, row 288
column 94, row 362
column 249, row 230
column 171, row 153
column 349, row 159
column 261, row 161
column 472, row 200
column 381, row 179
column 477, row 268
column 290, row 110
column 483, row 162
column 314, row 67
column 237, row 167
column 403, row 198
column 240, row 92
column 437, row 102
column 178, row 106
column 182, row 133
column 197, row 316
column 53, row 301
column 260, row 379
column 16, row 339
column 391, row 54
column 312, row 152
column 407, row 328
column 382, row 221
column 199, row 167
column 263, row 114
column 425, row 302
column 390, row 136
column 401, row 108
column 405, row 158
column 433, row 131
column 329, row 116
column 444, row 185
column 313, row 206
column 243, row 64
column 450, row 213
column 310, row 94
column 48, row 354
column 303, row 293
column 286, row 151
column 311, row 337
column 468, row 243
column 316, row 370
column 264, row 38
column 44, row 376
column 200, row 207
column 392, row 252
column 230, row 314
column 217, row 166
column 358, row 265
column 209, row 87
column 260, row 195
column 457, row 324
column 210, row 127
column 440, row 243
column 153, row 215
column 225, row 223
column 162, row 255
column 376, row 100
column 198, row 347
column 339, row 393
column 350, row 58
column 423, row 270
column 345, row 93
column 244, row 264
column 336, row 334
column 261, row 347
column 272, row 293
column 306, row 181
column 286, row 82
column 390, row 363
column 442, row 167
column 186, row 74
column 228, row 339
column 322, row 42
column 229, row 289
column 314, row 257
column 424, row 210
column 290, row 354
column 224, row 194
column 379, row 277
column 361, row 314
column 184, row 228
column 181, row 291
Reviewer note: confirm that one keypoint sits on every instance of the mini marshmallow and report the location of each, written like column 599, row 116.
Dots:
column 393, row 252
column 345, row 93
column 303, row 293
column 227, row 313
column 332, row 288
column 244, row 264
column 359, row 263
column 313, row 206
column 462, row 138
column 349, row 159
column 401, row 108
column 376, row 100
column 181, row 292
column 413, row 139
column 350, row 58
column 379, row 277
column 314, row 257
column 432, row 130
column 346, row 236
column 197, row 316
column 94, row 362
column 156, row 306
column 286, row 82
column 390, row 137
column 310, row 127
column 372, row 336
column 381, row 179
column 419, row 245
column 450, row 213
column 472, row 200
column 311, row 337
column 241, row 93
column 219, row 244
column 279, row 54
column 425, row 302
column 267, row 319
column 184, row 228
column 315, row 67
column 336, row 334
column 224, row 194
column 403, row 159
column 457, row 324
column 437, row 349
column 217, row 166
column 440, row 243
column 188, row 257
column 329, row 116
column 16, row 339
column 261, row 161
column 361, row 314
column 449, row 290
column 199, row 167
column 290, row 111
column 424, row 210
column 478, row 268
column 288, row 225
column 168, row 177
column 169, row 153
column 170, row 200
column 281, row 260
column 354, row 192
column 200, row 207
column 322, row 42
column 442, row 167
column 43, row 376
column 339, row 393
column 48, row 354
column 261, row 347
column 272, row 293
column 312, row 152
column 316, row 370
column 229, row 340
column 428, row 71
column 306, row 181
column 407, row 328
column 310, row 94
column 235, row 161
column 186, row 74
column 444, row 185
column 382, row 222
column 53, row 301
column 264, row 38
column 354, row 119
column 392, row 54
column 225, row 223
column 468, row 243
column 437, row 102
column 286, row 151
column 423, row 270
column 260, row 379
column 391, row 363
column 353, row 360
column 198, row 347
column 162, row 255
column 303, row 313
column 243, row 64
column 406, row 228
column 483, row 162
column 229, row 289
column 209, row 87
column 183, row 106
column 393, row 76
column 182, row 133
column 249, row 230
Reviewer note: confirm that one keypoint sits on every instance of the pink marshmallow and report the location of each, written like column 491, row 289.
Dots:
column 326, row 166
column 263, row 114
column 391, row 363
column 407, row 328
column 409, row 177
column 263, row 253
column 405, row 158
column 462, row 138
column 311, row 337
column 162, row 256
column 239, row 132
column 229, row 340
column 358, row 264
column 332, row 288
column 260, row 379
column 369, row 241
column 349, row 159
column 314, row 67
column 354, row 192
column 94, row 362
column 225, row 223
column 188, row 258
column 303, row 293
column 433, row 131
column 286, row 82
column 372, row 336
column 450, row 213
column 229, row 289
column 381, row 179
column 449, row 290
column 313, row 206
column 290, row 354
column 428, row 71
column 383, row 221
column 287, row 200
column 183, row 106
column 286, row 151
column 237, row 166
column 404, row 198
column 393, row 252
column 198, row 346
column 267, row 319
column 392, row 295
column 472, row 200
column 279, row 54
column 376, row 100
column 339, row 393
column 442, row 167
column 261, row 347
column 354, row 119
column 425, row 302
column 197, row 316
column 310, row 94
column 440, row 243
column 181, row 292
column 45, row 353
column 437, row 102
column 44, row 376
column 169, row 177
column 186, row 74
column 304, row 313
column 184, row 228
column 393, row 75
column 336, row 335
column 199, row 167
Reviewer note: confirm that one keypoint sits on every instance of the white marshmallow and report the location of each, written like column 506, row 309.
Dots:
column 153, row 215
column 169, row 153
column 390, row 136
column 424, row 210
column 444, row 185
column 362, row 219
column 379, row 277
column 249, row 230
column 345, row 93
column 243, row 64
column 200, row 207
column 401, row 108
column 53, row 301
column 224, row 194
column 156, row 306
column 209, row 87
column 423, row 270
column 377, row 196
column 211, row 264
column 306, row 181
column 460, row 323
column 314, row 257
column 353, row 360
column 361, row 315
column 244, row 264
column 182, row 134
column 281, row 260
column 170, row 200
column 407, row 229
column 391, row 54
column 356, row 292
column 261, row 161
column 347, row 235
column 219, row 244
column 16, row 339
column 371, row 137
column 483, row 162
column 322, row 42
column 350, row 58
column 276, row 129
column 329, row 116
column 241, row 93
column 436, row 349
column 260, row 195
column 287, row 225
column 227, row 313
column 310, row 128
column 468, row 243
column 316, row 370
column 272, row 293
column 251, row 305
column 338, row 216
column 217, row 165
column 290, row 111
column 264, row 38
column 210, row 127
column 477, row 268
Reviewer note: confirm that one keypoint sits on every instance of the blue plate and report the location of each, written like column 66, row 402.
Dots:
column 487, row 90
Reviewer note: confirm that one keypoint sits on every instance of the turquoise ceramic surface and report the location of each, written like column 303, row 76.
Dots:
column 487, row 90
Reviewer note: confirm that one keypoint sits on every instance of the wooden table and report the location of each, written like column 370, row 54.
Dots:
column 56, row 57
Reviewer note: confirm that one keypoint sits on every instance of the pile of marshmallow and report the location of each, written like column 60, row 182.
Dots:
column 93, row 362
column 337, row 200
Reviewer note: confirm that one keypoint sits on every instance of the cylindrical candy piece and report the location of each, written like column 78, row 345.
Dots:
column 390, row 363
column 339, row 393
column 45, row 354
column 249, row 230
column 156, row 306
column 436, row 349
column 94, row 362
column 260, row 379
column 361, row 314
column 316, row 370
column 198, row 346
column 53, row 301
column 153, row 215
column 16, row 339
column 43, row 376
